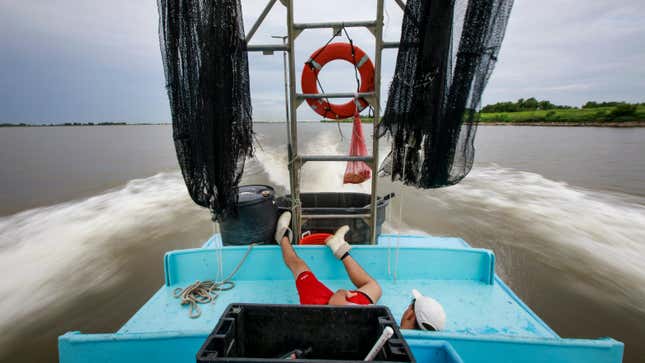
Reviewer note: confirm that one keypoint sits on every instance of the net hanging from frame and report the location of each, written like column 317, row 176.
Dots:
column 447, row 53
column 207, row 78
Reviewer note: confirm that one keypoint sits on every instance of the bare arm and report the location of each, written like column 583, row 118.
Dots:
column 340, row 297
column 361, row 279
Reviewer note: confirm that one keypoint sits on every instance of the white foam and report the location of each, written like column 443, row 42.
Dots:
column 316, row 176
column 401, row 228
column 596, row 239
column 53, row 255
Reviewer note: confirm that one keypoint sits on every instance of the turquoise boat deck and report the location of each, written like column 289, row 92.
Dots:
column 486, row 321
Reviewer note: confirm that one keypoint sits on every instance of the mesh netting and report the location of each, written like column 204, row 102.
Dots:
column 357, row 172
column 206, row 68
column 447, row 53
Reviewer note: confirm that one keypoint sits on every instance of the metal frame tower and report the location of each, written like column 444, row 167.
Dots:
column 294, row 100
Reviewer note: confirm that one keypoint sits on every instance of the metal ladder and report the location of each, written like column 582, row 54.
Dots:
column 296, row 160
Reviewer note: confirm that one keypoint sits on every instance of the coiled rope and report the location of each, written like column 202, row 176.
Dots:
column 204, row 292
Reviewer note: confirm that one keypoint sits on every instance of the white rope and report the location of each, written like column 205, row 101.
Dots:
column 398, row 235
column 204, row 292
column 218, row 252
column 388, row 216
column 398, row 231
column 392, row 270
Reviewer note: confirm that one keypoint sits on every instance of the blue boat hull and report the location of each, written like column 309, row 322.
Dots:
column 486, row 322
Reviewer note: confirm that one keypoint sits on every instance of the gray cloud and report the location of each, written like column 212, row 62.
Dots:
column 78, row 60
column 571, row 51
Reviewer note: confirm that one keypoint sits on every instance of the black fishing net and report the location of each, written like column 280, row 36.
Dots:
column 206, row 68
column 448, row 50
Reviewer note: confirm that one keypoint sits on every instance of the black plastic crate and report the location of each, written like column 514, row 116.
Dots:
column 266, row 333
column 339, row 203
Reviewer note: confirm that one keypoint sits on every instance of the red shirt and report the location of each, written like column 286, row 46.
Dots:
column 314, row 292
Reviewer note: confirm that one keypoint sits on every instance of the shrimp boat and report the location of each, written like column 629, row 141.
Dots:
column 486, row 320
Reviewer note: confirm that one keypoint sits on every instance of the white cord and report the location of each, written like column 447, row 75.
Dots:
column 398, row 232
column 388, row 217
column 220, row 259
column 389, row 267
column 396, row 245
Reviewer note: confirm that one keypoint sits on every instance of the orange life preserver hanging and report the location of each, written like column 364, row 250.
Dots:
column 324, row 55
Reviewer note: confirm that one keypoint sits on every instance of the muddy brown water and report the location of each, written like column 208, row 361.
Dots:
column 86, row 214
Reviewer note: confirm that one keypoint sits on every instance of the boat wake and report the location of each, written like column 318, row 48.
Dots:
column 316, row 176
column 52, row 256
column 55, row 255
column 595, row 238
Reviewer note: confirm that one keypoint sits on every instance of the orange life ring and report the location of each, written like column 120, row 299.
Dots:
column 324, row 55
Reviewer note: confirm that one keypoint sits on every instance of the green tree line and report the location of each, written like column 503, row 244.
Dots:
column 529, row 104
column 533, row 104
column 593, row 112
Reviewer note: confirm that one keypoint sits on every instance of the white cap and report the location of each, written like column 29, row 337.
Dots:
column 428, row 311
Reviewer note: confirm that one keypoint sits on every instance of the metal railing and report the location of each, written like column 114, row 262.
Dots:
column 294, row 100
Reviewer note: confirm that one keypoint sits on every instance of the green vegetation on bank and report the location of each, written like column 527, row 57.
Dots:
column 529, row 104
column 534, row 111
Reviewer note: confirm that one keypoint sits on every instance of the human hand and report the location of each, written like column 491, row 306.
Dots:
column 349, row 294
column 340, row 297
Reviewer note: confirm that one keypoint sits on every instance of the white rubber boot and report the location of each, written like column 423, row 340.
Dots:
column 337, row 243
column 282, row 227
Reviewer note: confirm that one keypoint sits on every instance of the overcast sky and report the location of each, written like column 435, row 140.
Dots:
column 83, row 60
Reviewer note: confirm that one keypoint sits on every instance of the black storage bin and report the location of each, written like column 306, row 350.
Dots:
column 266, row 333
column 255, row 223
column 338, row 203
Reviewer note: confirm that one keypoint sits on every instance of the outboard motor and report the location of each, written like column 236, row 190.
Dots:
column 256, row 220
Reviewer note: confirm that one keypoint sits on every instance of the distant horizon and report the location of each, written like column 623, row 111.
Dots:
column 114, row 123
column 105, row 66
column 117, row 123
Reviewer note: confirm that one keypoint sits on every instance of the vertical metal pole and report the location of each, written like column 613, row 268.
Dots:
column 287, row 113
column 378, row 35
column 294, row 163
column 286, row 90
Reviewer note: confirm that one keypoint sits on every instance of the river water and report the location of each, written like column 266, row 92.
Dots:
column 86, row 214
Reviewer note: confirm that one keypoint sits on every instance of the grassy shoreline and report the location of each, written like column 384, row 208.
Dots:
column 583, row 117
column 622, row 124
column 599, row 116
column 596, row 123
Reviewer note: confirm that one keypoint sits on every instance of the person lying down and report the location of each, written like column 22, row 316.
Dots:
column 423, row 313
